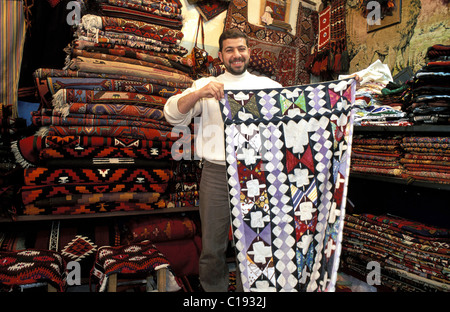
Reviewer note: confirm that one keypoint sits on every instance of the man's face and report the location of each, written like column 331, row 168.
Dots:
column 235, row 55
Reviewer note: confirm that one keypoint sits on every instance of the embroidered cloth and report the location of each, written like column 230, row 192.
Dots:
column 288, row 157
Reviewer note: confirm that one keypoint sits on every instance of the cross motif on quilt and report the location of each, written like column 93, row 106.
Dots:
column 288, row 157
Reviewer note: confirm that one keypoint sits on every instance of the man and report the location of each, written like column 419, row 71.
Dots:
column 202, row 100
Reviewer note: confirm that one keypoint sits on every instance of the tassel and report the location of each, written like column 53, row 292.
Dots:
column 18, row 155
column 42, row 132
column 58, row 99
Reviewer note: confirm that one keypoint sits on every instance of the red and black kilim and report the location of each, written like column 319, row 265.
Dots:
column 100, row 207
column 31, row 194
column 32, row 266
column 48, row 176
column 105, row 152
column 141, row 258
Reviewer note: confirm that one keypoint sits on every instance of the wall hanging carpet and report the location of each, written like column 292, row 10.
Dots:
column 288, row 158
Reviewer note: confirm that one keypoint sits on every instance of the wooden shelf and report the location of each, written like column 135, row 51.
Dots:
column 23, row 218
column 381, row 178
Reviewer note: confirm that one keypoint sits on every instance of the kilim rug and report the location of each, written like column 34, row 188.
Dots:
column 288, row 158
column 31, row 266
column 143, row 258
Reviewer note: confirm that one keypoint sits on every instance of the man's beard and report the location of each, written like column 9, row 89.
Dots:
column 237, row 72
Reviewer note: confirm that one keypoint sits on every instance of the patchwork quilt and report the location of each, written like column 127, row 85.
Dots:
column 288, row 156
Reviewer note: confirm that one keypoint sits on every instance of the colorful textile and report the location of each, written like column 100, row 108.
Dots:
column 112, row 109
column 288, row 159
column 154, row 16
column 90, row 41
column 32, row 194
column 93, row 121
column 107, row 57
column 111, row 131
column 100, row 207
column 173, row 56
column 104, row 152
column 66, row 96
column 79, row 248
column 159, row 229
column 31, row 266
column 12, row 34
column 373, row 155
column 138, row 258
column 165, row 34
column 211, row 8
column 110, row 67
column 49, row 176
column 412, row 256
column 426, row 158
column 26, row 151
column 84, row 199
column 76, row 85
column 324, row 28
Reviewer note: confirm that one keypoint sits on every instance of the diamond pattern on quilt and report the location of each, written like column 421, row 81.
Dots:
column 288, row 156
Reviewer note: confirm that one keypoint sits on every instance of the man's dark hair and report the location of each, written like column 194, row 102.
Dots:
column 231, row 34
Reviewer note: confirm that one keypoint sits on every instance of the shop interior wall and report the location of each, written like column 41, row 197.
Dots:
column 214, row 27
column 423, row 24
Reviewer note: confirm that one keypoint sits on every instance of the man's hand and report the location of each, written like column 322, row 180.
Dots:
column 213, row 89
column 358, row 80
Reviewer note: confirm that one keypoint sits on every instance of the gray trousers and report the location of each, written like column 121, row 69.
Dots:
column 215, row 221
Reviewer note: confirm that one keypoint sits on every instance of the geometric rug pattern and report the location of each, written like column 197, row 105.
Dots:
column 288, row 158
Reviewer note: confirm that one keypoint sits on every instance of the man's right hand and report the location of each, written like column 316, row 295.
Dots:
column 213, row 89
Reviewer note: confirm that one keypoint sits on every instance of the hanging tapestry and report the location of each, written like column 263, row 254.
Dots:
column 288, row 158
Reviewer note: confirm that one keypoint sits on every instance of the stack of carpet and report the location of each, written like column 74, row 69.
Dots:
column 426, row 158
column 411, row 256
column 376, row 100
column 173, row 236
column 103, row 144
column 430, row 103
column 376, row 155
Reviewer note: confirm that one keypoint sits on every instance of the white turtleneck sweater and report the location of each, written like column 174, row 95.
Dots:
column 209, row 143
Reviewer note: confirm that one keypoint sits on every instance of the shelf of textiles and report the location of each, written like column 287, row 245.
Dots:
column 410, row 256
column 80, row 191
column 418, row 155
column 101, row 143
column 172, row 234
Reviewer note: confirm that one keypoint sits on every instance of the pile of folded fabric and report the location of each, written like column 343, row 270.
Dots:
column 373, row 108
column 411, row 256
column 430, row 103
column 173, row 236
column 426, row 158
column 376, row 155
column 103, row 144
